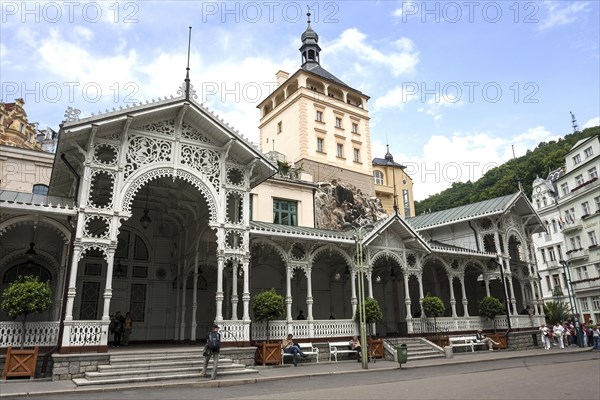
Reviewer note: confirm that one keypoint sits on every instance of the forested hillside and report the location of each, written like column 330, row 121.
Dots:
column 503, row 179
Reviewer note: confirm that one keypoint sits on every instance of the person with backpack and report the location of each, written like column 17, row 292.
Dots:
column 212, row 349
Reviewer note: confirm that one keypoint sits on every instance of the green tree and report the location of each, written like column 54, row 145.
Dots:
column 490, row 307
column 373, row 313
column 557, row 311
column 27, row 295
column 267, row 306
column 433, row 306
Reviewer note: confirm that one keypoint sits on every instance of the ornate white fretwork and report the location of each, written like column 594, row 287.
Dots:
column 71, row 114
column 236, row 177
column 106, row 154
column 97, row 226
column 204, row 160
column 143, row 150
column 101, row 188
column 163, row 172
column 163, row 127
column 189, row 132
column 234, row 240
column 181, row 90
column 87, row 246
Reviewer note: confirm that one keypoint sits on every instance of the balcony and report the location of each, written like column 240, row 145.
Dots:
column 584, row 284
column 571, row 227
column 578, row 255
column 552, row 264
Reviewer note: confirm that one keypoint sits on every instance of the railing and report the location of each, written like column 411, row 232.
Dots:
column 36, row 333
column 235, row 331
column 432, row 330
column 589, row 283
column 85, row 333
column 579, row 254
column 450, row 324
column 304, row 329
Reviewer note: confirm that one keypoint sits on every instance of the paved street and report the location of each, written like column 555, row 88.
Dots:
column 533, row 377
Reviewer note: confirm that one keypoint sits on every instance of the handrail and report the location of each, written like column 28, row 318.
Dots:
column 438, row 335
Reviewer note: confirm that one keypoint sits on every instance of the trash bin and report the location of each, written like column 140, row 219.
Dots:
column 402, row 353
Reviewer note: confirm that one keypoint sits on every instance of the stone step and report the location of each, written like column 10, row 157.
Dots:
column 197, row 375
column 158, row 365
column 149, row 357
column 424, row 356
column 135, row 373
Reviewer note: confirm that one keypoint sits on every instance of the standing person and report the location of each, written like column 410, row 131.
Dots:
column 596, row 336
column 128, row 327
column 301, row 315
column 545, row 336
column 590, row 333
column 558, row 334
column 212, row 349
column 116, row 327
column 355, row 345
column 289, row 347
column 568, row 335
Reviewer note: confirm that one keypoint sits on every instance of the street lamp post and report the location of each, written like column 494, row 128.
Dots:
column 362, row 314
column 567, row 272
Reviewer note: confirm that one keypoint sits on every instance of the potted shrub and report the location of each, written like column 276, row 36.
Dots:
column 373, row 314
column 268, row 306
column 27, row 295
column 489, row 308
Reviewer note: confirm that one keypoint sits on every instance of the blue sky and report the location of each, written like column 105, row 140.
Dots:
column 454, row 86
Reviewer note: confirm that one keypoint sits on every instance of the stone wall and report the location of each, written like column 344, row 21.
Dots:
column 524, row 340
column 240, row 355
column 69, row 366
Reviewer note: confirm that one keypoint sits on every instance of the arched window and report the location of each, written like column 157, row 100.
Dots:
column 40, row 189
column 378, row 177
column 27, row 269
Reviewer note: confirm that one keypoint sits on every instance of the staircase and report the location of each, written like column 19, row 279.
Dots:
column 150, row 366
column 417, row 348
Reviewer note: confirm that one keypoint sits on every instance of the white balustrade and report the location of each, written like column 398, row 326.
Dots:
column 36, row 333
column 302, row 329
column 86, row 333
column 234, row 331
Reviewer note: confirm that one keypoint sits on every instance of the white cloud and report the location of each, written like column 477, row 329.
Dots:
column 438, row 102
column 400, row 62
column 462, row 157
column 394, row 98
column 591, row 123
column 562, row 15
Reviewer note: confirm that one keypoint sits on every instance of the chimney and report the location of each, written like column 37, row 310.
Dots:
column 281, row 76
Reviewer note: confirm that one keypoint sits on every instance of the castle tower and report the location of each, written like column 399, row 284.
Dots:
column 318, row 121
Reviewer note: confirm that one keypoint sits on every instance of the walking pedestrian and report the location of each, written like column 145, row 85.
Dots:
column 212, row 349
column 558, row 331
column 545, row 336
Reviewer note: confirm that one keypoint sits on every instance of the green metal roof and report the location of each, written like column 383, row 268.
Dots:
column 266, row 228
column 470, row 211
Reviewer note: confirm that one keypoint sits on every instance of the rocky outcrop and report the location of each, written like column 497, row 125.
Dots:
column 338, row 202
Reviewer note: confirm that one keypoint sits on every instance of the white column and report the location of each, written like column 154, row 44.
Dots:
column 60, row 285
column 72, row 283
column 108, row 286
column 407, row 301
column 178, row 300
column 288, row 294
column 234, row 292
column 219, row 296
column 420, row 279
column 370, row 280
column 353, row 299
column 465, row 302
column 513, row 301
column 452, row 299
column 183, row 303
column 195, row 298
column 486, row 279
column 246, row 293
column 309, row 296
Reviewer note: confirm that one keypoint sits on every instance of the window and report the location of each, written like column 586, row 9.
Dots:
column 378, row 177
column 596, row 302
column 545, row 202
column 356, row 155
column 285, row 212
column 585, row 305
column 585, row 208
column 338, row 122
column 559, row 251
column 588, row 152
column 250, row 206
column 90, row 293
column 564, row 188
column 570, row 216
column 406, row 201
column 592, row 240
column 593, row 172
column 579, row 179
column 597, row 201
column 21, row 127
column 551, row 254
column 537, row 202
column 340, row 150
column 319, row 116
column 577, row 159
column 354, row 127
column 582, row 273
column 137, row 304
column 554, row 227
column 556, row 280
column 40, row 189
column 543, row 252
column 279, row 127
column 320, row 143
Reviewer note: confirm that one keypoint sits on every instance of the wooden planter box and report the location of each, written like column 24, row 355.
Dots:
column 268, row 353
column 376, row 348
column 20, row 363
column 500, row 339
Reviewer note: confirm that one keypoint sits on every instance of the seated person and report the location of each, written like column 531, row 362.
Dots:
column 480, row 338
column 289, row 347
column 355, row 345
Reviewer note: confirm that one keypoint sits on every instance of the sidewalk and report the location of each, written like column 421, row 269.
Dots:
column 24, row 388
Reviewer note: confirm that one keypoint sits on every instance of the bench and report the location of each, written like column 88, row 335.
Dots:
column 466, row 341
column 307, row 348
column 336, row 348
